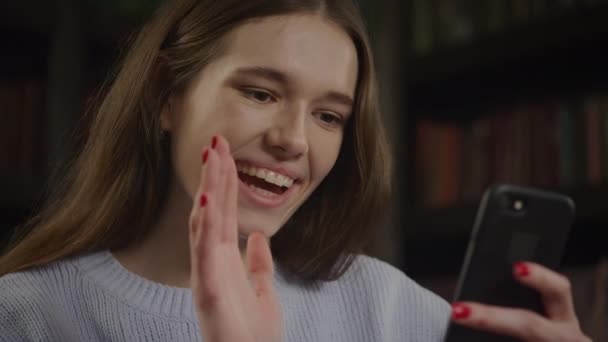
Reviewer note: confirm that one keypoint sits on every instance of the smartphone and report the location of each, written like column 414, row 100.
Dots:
column 513, row 223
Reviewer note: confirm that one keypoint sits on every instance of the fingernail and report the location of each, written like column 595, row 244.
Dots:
column 460, row 311
column 521, row 269
column 205, row 155
column 203, row 200
column 213, row 141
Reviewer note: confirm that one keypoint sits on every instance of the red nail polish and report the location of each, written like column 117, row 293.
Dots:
column 460, row 311
column 521, row 269
column 213, row 141
column 205, row 155
column 203, row 200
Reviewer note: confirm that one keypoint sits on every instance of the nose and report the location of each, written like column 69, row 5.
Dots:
column 286, row 138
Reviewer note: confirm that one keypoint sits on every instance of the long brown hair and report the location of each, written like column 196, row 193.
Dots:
column 118, row 181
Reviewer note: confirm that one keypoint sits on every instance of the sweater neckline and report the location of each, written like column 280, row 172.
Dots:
column 141, row 293
column 136, row 291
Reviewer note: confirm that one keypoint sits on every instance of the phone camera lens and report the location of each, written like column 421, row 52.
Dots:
column 518, row 205
column 514, row 204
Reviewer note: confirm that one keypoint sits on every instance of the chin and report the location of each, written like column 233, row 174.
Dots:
column 248, row 226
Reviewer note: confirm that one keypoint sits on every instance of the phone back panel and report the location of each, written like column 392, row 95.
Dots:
column 503, row 236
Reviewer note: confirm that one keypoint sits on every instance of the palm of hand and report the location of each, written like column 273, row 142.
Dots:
column 234, row 301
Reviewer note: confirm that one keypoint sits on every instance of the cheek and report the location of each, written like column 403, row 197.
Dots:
column 187, row 159
column 229, row 117
column 324, row 149
column 241, row 123
column 190, row 137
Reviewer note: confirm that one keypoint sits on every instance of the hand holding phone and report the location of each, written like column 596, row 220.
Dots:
column 515, row 224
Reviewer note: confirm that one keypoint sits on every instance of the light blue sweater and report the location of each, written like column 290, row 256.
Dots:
column 94, row 298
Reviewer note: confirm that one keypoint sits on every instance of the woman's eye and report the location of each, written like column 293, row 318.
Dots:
column 258, row 95
column 330, row 118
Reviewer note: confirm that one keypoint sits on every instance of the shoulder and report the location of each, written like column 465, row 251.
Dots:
column 27, row 301
column 23, row 290
column 399, row 300
column 375, row 274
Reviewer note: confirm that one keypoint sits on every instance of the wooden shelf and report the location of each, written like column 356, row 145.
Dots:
column 99, row 26
column 559, row 57
column 436, row 241
column 459, row 219
column 523, row 40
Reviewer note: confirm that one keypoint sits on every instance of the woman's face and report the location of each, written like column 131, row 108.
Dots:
column 281, row 95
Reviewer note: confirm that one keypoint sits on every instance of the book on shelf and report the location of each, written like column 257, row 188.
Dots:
column 544, row 145
column 579, row 142
column 442, row 163
column 20, row 132
column 477, row 165
column 566, row 146
column 604, row 134
column 549, row 144
column 593, row 131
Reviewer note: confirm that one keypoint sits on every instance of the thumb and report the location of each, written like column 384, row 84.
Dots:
column 260, row 266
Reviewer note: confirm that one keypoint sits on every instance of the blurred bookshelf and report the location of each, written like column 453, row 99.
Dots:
column 499, row 90
column 55, row 55
column 509, row 91
column 506, row 91
column 486, row 45
column 104, row 22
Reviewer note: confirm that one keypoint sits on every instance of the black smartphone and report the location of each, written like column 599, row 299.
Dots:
column 513, row 223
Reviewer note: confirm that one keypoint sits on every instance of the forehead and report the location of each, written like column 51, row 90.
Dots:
column 308, row 48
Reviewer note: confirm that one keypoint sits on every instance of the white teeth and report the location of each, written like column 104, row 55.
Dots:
column 271, row 177
column 267, row 175
column 262, row 191
column 281, row 180
column 289, row 182
column 260, row 173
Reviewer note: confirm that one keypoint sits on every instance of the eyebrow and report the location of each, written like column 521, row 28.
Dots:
column 340, row 98
column 263, row 72
column 279, row 77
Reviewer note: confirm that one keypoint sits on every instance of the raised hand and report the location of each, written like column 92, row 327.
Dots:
column 559, row 325
column 233, row 304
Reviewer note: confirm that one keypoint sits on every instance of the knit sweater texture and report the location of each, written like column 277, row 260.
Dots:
column 92, row 297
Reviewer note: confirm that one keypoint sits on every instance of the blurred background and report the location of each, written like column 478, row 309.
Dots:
column 473, row 93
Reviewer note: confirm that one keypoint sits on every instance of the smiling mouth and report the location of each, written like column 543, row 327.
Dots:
column 263, row 181
column 261, row 184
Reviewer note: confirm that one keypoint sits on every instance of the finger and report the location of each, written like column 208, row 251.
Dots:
column 230, row 232
column 522, row 324
column 205, row 283
column 229, row 192
column 195, row 223
column 199, row 200
column 260, row 267
column 210, row 172
column 203, row 234
column 220, row 145
column 202, row 267
column 210, row 224
column 554, row 288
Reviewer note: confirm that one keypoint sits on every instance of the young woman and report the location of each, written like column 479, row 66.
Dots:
column 234, row 169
